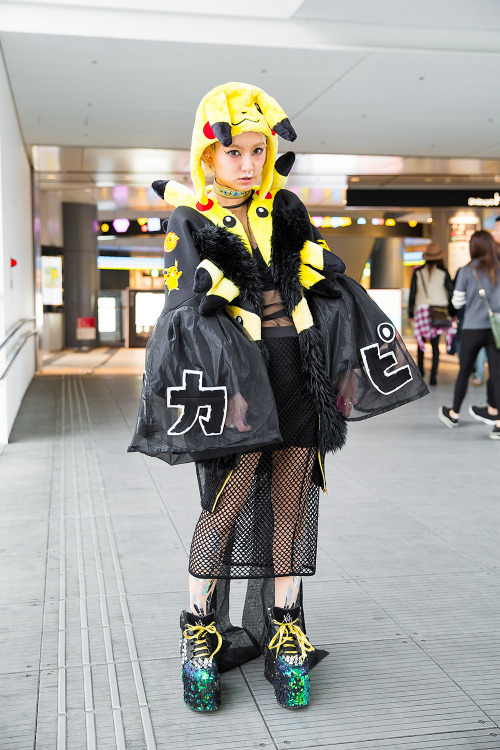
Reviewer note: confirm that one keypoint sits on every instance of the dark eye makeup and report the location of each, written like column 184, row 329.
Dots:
column 258, row 150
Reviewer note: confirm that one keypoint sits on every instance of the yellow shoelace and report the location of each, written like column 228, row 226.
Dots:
column 284, row 638
column 199, row 633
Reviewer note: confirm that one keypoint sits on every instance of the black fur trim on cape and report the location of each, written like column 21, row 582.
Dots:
column 228, row 253
column 333, row 425
column 291, row 229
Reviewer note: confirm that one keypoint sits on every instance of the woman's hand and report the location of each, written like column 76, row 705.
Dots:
column 236, row 410
column 348, row 397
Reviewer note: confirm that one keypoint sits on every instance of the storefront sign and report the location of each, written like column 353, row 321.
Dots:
column 391, row 198
column 130, row 227
column 485, row 202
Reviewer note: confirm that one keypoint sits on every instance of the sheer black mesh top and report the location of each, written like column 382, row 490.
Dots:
column 275, row 322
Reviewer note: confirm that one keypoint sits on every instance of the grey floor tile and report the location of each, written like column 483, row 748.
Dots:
column 472, row 661
column 397, row 553
column 239, row 724
column 22, row 578
column 22, row 536
column 18, row 706
column 480, row 739
column 362, row 691
column 437, row 604
column 20, row 636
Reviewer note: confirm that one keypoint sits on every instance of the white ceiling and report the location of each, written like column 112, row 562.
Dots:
column 447, row 15
column 387, row 78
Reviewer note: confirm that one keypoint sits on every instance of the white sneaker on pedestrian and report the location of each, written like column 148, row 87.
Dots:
column 482, row 415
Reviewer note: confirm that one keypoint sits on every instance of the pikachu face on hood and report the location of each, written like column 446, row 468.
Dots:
column 229, row 110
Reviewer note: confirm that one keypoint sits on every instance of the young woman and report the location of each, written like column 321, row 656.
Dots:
column 430, row 285
column 483, row 272
column 262, row 353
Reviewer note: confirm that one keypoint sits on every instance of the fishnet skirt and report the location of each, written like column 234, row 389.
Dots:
column 265, row 522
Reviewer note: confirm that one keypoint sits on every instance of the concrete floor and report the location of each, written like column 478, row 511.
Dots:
column 93, row 549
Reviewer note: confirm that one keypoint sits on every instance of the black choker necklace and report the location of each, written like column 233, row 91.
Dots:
column 238, row 205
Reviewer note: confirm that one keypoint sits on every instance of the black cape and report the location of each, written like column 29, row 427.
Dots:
column 355, row 363
column 196, row 363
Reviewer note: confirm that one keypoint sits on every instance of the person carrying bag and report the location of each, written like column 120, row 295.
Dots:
column 477, row 288
column 428, row 306
column 439, row 315
column 494, row 316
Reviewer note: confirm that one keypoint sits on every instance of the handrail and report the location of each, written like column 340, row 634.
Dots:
column 23, row 341
column 19, row 325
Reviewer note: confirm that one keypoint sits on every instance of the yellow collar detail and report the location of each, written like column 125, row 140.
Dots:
column 223, row 218
column 260, row 211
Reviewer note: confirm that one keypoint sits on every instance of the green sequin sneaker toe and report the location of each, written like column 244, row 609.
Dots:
column 286, row 662
column 199, row 643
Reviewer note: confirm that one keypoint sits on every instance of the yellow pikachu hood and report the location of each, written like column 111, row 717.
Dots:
column 231, row 109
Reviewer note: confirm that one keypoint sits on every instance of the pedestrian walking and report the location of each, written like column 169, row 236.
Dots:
column 430, row 292
column 477, row 288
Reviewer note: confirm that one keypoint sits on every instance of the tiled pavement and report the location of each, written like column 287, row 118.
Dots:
column 93, row 549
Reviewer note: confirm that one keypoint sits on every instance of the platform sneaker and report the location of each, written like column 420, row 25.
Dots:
column 286, row 657
column 199, row 644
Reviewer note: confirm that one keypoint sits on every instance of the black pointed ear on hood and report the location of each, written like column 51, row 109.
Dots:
column 285, row 130
column 222, row 131
column 284, row 164
column 159, row 187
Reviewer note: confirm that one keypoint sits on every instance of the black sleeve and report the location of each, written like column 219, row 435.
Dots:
column 449, row 286
column 181, row 255
column 449, row 290
column 413, row 294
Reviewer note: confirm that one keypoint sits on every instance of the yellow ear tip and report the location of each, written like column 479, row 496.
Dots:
column 176, row 193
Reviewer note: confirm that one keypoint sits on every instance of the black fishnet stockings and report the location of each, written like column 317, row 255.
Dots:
column 264, row 523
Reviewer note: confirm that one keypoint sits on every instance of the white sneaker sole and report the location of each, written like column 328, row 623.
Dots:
column 495, row 435
column 446, row 421
column 483, row 419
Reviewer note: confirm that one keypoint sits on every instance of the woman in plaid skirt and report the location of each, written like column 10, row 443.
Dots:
column 430, row 285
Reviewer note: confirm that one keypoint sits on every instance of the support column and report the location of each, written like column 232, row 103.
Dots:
column 81, row 276
column 387, row 264
column 440, row 228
